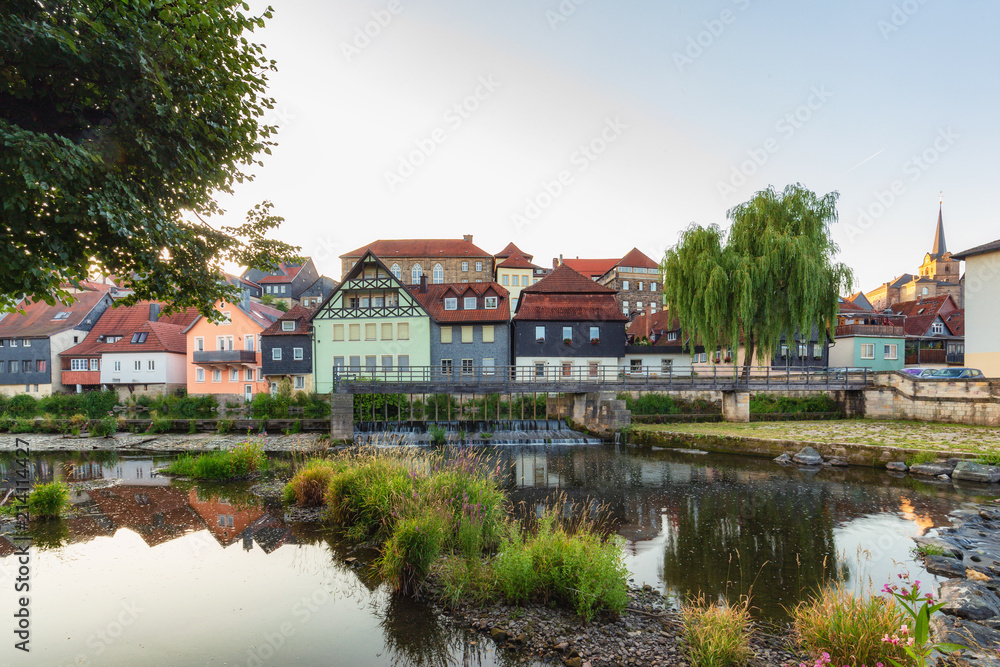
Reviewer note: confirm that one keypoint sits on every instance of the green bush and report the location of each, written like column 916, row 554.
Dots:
column 23, row 425
column 438, row 435
column 651, row 404
column 224, row 425
column 768, row 403
column 192, row 426
column 105, row 426
column 161, row 425
column 244, row 460
column 308, row 486
column 22, row 405
column 6, row 422
column 717, row 635
column 414, row 545
column 98, row 403
column 47, row 501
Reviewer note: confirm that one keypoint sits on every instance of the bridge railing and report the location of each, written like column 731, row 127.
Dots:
column 593, row 377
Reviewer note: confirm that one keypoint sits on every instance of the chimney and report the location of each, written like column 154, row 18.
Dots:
column 154, row 312
column 649, row 321
column 423, row 283
column 467, row 237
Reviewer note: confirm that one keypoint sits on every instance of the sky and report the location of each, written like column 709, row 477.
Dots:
column 583, row 128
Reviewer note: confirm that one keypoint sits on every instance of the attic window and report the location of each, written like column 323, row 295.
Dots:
column 139, row 336
column 288, row 325
column 470, row 303
column 491, row 302
column 921, row 311
column 451, row 303
column 61, row 315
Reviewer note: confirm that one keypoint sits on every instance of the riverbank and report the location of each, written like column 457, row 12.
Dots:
column 861, row 442
column 166, row 442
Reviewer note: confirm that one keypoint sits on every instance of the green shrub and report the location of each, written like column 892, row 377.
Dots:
column 717, row 635
column 98, row 403
column 161, row 425
column 192, row 426
column 224, row 425
column 414, row 545
column 438, row 435
column 6, row 422
column 244, row 460
column 105, row 426
column 22, row 405
column 47, row 501
column 23, row 425
column 79, row 421
column 768, row 403
column 308, row 486
column 48, row 424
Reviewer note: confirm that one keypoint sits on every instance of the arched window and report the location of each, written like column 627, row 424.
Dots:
column 438, row 274
column 924, row 291
column 415, row 274
column 396, row 271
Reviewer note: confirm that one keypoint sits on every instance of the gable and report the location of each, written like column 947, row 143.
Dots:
column 369, row 290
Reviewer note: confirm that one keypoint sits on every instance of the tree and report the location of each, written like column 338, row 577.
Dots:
column 771, row 276
column 119, row 123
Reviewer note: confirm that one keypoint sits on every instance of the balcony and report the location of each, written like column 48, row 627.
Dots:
column 874, row 330
column 81, row 377
column 225, row 357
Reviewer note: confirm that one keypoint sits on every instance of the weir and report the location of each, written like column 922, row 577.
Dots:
column 472, row 432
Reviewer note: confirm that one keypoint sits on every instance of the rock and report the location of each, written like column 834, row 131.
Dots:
column 784, row 459
column 573, row 662
column 931, row 469
column 498, row 635
column 970, row 600
column 946, row 629
column 944, row 477
column 521, row 639
column 808, row 456
column 837, row 461
column 561, row 646
column 350, row 560
column 944, row 566
column 976, row 472
column 896, row 466
column 975, row 575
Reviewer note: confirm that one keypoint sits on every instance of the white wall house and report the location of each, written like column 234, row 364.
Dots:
column 982, row 307
column 120, row 368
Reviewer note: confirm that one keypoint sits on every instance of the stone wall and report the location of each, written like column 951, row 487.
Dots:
column 899, row 396
column 599, row 412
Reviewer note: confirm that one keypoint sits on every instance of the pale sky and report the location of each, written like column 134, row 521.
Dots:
column 587, row 127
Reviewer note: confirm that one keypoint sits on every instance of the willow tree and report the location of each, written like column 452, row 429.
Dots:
column 771, row 276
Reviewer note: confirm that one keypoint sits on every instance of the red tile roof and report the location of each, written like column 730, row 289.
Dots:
column 388, row 249
column 956, row 322
column 591, row 267
column 433, row 301
column 295, row 313
column 516, row 261
column 124, row 321
column 922, row 313
column 660, row 322
column 636, row 257
column 510, row 250
column 37, row 322
column 565, row 280
column 160, row 337
column 565, row 295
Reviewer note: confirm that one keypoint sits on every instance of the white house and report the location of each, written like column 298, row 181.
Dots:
column 153, row 359
column 982, row 307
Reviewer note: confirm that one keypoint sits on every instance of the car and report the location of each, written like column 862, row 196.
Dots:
column 919, row 372
column 957, row 373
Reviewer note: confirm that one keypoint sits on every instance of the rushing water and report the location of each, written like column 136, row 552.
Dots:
column 158, row 572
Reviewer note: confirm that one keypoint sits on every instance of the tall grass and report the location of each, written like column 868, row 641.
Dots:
column 244, row 460
column 308, row 486
column 47, row 501
column 849, row 626
column 718, row 634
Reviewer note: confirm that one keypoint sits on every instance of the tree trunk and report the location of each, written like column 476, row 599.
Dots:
column 748, row 358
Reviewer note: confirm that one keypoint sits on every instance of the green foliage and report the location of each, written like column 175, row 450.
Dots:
column 245, row 460
column 717, row 635
column 116, row 120
column 920, row 457
column 396, row 405
column 161, row 425
column 23, row 425
column 308, row 486
column 6, row 422
column 96, row 403
column 770, row 403
column 771, row 275
column 438, row 435
column 192, row 426
column 47, row 501
column 105, row 426
column 22, row 405
column 651, row 404
column 415, row 544
column 915, row 639
column 224, row 425
column 179, row 407
column 989, row 458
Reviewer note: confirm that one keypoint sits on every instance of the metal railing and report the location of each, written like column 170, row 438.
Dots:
column 877, row 330
column 529, row 379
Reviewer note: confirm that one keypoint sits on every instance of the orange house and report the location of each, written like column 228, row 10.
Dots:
column 224, row 357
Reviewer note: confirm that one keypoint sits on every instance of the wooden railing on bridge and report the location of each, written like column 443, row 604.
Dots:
column 577, row 379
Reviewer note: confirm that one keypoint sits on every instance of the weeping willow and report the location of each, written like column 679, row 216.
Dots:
column 772, row 275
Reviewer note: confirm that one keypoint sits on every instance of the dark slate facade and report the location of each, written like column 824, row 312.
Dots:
column 611, row 340
column 287, row 365
column 815, row 347
column 498, row 350
column 20, row 365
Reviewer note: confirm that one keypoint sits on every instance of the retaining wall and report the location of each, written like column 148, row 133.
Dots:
column 901, row 396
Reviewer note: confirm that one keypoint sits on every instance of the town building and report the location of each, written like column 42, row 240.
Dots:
column 655, row 346
column 935, row 331
column 538, row 272
column 287, row 350
column 469, row 327
column 636, row 279
column 441, row 260
column 32, row 340
column 982, row 307
column 567, row 325
column 514, row 273
column 223, row 357
column 865, row 338
column 286, row 282
column 371, row 324
column 317, row 293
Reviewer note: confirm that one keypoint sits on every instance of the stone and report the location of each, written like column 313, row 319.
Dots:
column 839, row 462
column 970, row 600
column 498, row 635
column 947, row 629
column 932, row 469
column 971, row 471
column 896, row 466
column 975, row 575
column 808, row 456
column 573, row 662
column 562, row 646
column 944, row 477
column 784, row 459
column 944, row 566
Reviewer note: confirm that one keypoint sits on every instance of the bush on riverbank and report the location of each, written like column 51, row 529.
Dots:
column 767, row 403
column 244, row 460
column 47, row 501
column 717, row 634
column 665, row 404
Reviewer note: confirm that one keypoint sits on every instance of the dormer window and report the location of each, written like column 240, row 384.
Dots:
column 288, row 325
column 61, row 315
column 491, row 302
column 937, row 329
column 470, row 303
column 451, row 303
column 139, row 337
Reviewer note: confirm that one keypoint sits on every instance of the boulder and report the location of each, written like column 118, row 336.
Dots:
column 947, row 629
column 896, row 466
column 931, row 469
column 808, row 456
column 837, row 461
column 498, row 635
column 944, row 566
column 970, row 600
column 971, row 471
column 784, row 459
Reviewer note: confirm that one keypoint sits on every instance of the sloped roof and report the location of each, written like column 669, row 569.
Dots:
column 37, row 322
column 940, row 246
column 636, row 257
column 902, row 280
column 992, row 246
column 591, row 267
column 261, row 314
column 921, row 314
column 433, row 301
column 565, row 295
column 510, row 250
column 859, row 299
column 847, row 306
column 320, row 287
column 386, row 249
column 566, row 280
column 956, row 322
column 160, row 337
column 655, row 322
column 516, row 261
column 299, row 313
column 124, row 321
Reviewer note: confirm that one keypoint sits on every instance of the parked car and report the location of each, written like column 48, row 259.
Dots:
column 956, row 373
column 920, row 372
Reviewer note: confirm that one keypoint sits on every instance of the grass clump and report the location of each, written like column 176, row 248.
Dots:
column 931, row 550
column 989, row 458
column 920, row 457
column 717, row 634
column 308, row 486
column 768, row 403
column 849, row 626
column 244, row 460
column 47, row 501
column 161, row 425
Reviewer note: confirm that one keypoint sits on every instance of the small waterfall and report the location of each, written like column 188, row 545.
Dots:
column 472, row 432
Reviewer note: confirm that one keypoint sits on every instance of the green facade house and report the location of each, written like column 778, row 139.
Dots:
column 370, row 325
column 865, row 338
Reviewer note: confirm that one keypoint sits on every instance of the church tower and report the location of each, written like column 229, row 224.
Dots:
column 938, row 264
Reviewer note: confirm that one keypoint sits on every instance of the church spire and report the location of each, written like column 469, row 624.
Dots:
column 940, row 247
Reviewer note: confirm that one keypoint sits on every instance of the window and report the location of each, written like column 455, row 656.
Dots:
column 514, row 281
column 924, row 291
column 221, row 342
column 288, row 325
column 199, row 373
column 666, row 365
column 889, row 351
column 465, row 267
column 540, row 333
column 635, row 366
column 490, row 302
column 387, row 331
column 227, row 317
column 118, row 367
column 479, row 266
column 640, row 285
column 61, row 315
column 137, row 365
column 504, row 280
column 539, row 369
column 2, row 342
column 488, row 366
column 593, row 368
column 868, row 350
column 396, row 271
column 567, row 334
column 703, row 357
column 199, row 344
column 387, row 361
column 513, row 304
column 300, row 381
column 234, row 375
column 937, row 328
column 489, row 333
column 652, row 287
column 370, row 331
column 403, row 361
column 370, row 364
column 445, row 334
column 638, row 306
column 468, row 335
column 78, row 365
column 13, row 366
column 451, row 303
column 338, row 332
column 803, row 350
column 139, row 337
column 297, row 353
column 567, row 369
column 467, row 367
column 625, row 307
column 248, row 342
column 366, row 302
column 446, row 366
column 25, row 366
column 818, row 350
column 403, row 331
column 276, row 354
column 625, row 285
column 652, row 307
column 470, row 303
column 415, row 273
column 355, row 363
column 25, row 342
column 355, row 331
column 438, row 274
column 248, row 375
column 13, row 342
column 595, row 334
